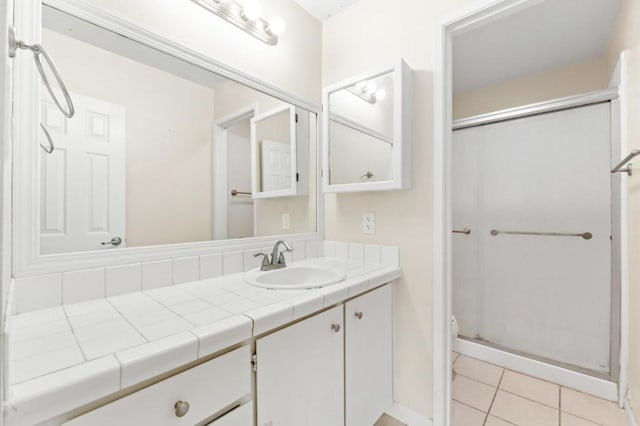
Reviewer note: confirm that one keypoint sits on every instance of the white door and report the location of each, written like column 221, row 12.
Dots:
column 544, row 295
column 83, row 180
column 369, row 356
column 276, row 165
column 299, row 379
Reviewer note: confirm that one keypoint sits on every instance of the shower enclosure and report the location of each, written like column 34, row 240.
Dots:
column 532, row 244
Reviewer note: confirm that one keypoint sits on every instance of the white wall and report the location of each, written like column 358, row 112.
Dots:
column 168, row 139
column 403, row 218
column 626, row 36
column 294, row 64
column 573, row 79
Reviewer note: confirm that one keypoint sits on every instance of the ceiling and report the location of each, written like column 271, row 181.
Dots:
column 548, row 35
column 324, row 9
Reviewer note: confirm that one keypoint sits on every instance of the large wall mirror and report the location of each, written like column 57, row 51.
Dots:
column 367, row 131
column 160, row 150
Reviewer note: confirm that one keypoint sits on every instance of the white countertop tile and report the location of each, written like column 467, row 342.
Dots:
column 222, row 334
column 152, row 359
column 165, row 328
column 145, row 334
column 97, row 348
column 37, row 317
column 39, row 345
column 102, row 329
column 50, row 395
column 44, row 363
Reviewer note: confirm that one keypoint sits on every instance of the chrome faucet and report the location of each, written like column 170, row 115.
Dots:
column 276, row 259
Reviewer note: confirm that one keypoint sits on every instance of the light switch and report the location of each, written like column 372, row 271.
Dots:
column 286, row 221
column 368, row 223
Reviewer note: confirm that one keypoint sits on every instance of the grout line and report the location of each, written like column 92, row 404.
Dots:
column 559, row 405
column 486, row 417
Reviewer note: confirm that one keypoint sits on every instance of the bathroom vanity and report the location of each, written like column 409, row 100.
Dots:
column 285, row 357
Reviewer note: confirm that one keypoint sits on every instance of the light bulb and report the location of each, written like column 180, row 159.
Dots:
column 252, row 10
column 381, row 94
column 277, row 25
column 371, row 88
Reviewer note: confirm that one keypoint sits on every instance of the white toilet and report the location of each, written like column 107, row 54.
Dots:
column 455, row 328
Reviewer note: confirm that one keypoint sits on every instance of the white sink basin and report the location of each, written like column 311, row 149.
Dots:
column 295, row 277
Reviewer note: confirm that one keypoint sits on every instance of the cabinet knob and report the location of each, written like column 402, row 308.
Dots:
column 335, row 327
column 182, row 408
column 358, row 315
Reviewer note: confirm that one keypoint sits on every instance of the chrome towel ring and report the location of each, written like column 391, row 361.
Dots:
column 50, row 149
column 39, row 51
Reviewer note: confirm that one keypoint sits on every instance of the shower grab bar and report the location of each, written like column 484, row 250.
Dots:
column 585, row 235
column 618, row 168
column 38, row 50
column 465, row 231
column 49, row 139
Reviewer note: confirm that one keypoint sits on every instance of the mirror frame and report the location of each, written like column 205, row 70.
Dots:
column 26, row 259
column 255, row 177
column 402, row 130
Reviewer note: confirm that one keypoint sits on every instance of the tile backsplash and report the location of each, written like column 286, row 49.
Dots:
column 44, row 291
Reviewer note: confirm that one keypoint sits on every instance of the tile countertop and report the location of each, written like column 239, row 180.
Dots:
column 68, row 356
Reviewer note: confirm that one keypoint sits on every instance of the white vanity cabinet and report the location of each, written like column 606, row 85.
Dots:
column 299, row 378
column 185, row 399
column 304, row 370
column 368, row 356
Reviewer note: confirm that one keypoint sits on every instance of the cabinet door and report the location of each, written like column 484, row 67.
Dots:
column 369, row 356
column 300, row 373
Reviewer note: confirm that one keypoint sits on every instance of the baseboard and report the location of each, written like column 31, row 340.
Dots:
column 562, row 376
column 631, row 418
column 410, row 417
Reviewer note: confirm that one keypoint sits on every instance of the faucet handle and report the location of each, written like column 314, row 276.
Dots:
column 265, row 258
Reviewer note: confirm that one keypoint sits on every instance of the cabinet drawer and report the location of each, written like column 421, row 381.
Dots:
column 241, row 416
column 207, row 388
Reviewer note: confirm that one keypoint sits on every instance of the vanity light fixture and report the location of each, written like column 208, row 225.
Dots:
column 368, row 91
column 247, row 17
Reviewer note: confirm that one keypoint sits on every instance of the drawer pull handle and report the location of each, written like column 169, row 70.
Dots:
column 335, row 327
column 358, row 315
column 182, row 408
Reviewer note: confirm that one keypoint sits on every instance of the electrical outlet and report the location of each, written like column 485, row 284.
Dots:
column 368, row 223
column 286, row 221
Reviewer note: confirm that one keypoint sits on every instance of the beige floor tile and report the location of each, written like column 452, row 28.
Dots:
column 387, row 420
column 591, row 408
column 494, row 421
column 463, row 415
column 454, row 356
column 478, row 370
column 523, row 412
column 473, row 393
column 567, row 419
column 531, row 388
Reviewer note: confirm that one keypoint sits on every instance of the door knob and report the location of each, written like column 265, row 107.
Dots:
column 115, row 241
column 358, row 315
column 335, row 327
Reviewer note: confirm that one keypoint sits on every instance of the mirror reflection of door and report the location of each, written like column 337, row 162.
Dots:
column 82, row 198
column 240, row 207
column 276, row 165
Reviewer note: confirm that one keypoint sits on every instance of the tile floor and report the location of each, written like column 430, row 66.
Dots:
column 485, row 394
column 387, row 420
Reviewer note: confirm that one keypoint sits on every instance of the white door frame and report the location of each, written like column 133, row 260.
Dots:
column 465, row 19
column 220, row 140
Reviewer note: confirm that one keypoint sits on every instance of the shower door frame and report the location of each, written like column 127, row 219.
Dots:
column 466, row 19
